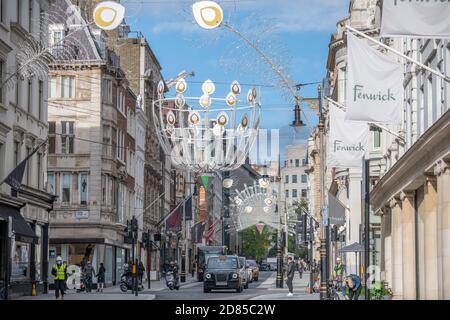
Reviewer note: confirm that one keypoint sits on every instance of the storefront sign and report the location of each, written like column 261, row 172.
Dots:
column 374, row 86
column 419, row 19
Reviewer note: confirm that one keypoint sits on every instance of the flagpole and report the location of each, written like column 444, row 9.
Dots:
column 341, row 106
column 443, row 76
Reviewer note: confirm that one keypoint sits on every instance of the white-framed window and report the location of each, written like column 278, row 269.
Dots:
column 83, row 188
column 52, row 87
column 66, row 187
column 51, row 186
column 67, row 137
column 376, row 138
column 294, row 178
column 68, row 87
column 294, row 193
column 304, row 178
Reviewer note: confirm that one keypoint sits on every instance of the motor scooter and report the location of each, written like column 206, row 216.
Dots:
column 172, row 281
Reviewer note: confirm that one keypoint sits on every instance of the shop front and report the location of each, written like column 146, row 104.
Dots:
column 79, row 252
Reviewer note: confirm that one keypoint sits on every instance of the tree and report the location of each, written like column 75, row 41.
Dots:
column 255, row 244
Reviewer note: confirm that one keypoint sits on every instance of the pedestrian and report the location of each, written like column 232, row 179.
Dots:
column 290, row 276
column 300, row 268
column 141, row 271
column 194, row 265
column 59, row 272
column 338, row 274
column 353, row 283
column 89, row 273
column 101, row 278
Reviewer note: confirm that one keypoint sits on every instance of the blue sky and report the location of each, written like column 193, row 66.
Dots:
column 298, row 39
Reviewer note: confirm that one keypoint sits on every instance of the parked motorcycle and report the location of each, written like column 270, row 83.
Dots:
column 172, row 281
column 126, row 283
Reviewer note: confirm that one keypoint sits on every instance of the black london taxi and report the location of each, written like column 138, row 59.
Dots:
column 223, row 273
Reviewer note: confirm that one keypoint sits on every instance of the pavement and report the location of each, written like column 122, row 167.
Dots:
column 264, row 289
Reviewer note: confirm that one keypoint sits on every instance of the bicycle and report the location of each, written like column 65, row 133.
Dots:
column 333, row 290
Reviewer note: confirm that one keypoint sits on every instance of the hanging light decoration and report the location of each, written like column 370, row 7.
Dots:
column 206, row 134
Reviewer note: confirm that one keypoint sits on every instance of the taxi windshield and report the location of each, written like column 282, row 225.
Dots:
column 222, row 263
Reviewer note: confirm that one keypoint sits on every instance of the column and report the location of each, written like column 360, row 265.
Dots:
column 409, row 246
column 386, row 226
column 355, row 218
column 442, row 172
column 396, row 248
column 430, row 238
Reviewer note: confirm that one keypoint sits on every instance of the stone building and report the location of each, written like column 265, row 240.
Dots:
column 23, row 127
column 92, row 121
column 413, row 197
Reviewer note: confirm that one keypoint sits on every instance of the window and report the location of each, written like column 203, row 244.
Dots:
column 66, row 187
column 67, row 137
column 304, row 178
column 304, row 162
column 2, row 67
column 21, row 261
column 19, row 12
column 294, row 178
column 52, row 88
column 304, row 193
column 28, row 167
column 104, row 188
column 297, row 163
column 30, row 96
column 30, row 15
column 376, row 135
column 51, row 137
column 41, row 100
column 294, row 193
column 83, row 188
column 51, row 183
column 68, row 87
column 286, row 179
column 106, row 140
column 39, row 170
column 16, row 153
column 287, row 193
column 2, row 10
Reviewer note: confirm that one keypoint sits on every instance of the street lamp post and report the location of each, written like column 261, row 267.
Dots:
column 366, row 229
column 279, row 279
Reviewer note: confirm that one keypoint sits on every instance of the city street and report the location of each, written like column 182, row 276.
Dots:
column 264, row 289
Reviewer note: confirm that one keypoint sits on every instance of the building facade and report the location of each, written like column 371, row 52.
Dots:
column 24, row 215
column 91, row 165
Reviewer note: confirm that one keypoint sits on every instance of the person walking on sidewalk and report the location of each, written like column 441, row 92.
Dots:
column 59, row 272
column 290, row 276
column 89, row 273
column 141, row 272
column 101, row 278
column 300, row 268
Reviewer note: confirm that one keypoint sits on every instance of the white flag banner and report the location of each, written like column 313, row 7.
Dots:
column 374, row 85
column 348, row 140
column 419, row 19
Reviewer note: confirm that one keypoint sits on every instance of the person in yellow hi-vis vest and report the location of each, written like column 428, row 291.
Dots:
column 59, row 272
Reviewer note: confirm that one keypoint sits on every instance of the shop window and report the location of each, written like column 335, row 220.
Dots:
column 21, row 261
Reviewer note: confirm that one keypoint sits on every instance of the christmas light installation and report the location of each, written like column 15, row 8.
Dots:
column 206, row 134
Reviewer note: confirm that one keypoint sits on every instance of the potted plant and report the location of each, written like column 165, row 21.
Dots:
column 380, row 291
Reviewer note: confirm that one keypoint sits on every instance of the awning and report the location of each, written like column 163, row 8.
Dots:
column 21, row 228
column 355, row 247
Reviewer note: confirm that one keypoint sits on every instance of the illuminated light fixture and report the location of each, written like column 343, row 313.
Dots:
column 194, row 118
column 161, row 88
column 268, row 202
column 235, row 88
column 238, row 201
column 251, row 98
column 227, row 183
column 181, row 86
column 180, row 101
column 208, row 87
column 264, row 183
column 205, row 101
column 205, row 134
column 231, row 99
column 222, row 119
column 108, row 15
column 207, row 14
column 248, row 210
column 267, row 209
